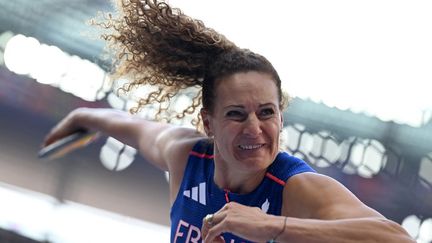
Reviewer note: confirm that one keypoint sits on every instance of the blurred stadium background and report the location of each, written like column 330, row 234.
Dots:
column 50, row 63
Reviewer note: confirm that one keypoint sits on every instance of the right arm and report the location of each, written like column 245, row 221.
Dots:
column 163, row 145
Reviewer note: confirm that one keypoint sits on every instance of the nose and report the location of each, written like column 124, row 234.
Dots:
column 252, row 126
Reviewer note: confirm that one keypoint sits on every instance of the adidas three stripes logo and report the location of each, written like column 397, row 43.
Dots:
column 197, row 193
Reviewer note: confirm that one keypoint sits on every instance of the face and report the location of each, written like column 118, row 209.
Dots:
column 246, row 121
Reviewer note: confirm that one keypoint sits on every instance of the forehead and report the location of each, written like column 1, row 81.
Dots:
column 245, row 87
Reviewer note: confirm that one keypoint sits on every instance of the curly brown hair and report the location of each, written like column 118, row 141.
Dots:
column 155, row 44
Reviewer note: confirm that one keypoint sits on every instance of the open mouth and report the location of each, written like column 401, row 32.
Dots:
column 251, row 146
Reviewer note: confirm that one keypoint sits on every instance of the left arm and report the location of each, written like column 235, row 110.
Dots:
column 318, row 209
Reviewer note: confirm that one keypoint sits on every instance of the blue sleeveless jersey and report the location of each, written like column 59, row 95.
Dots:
column 198, row 195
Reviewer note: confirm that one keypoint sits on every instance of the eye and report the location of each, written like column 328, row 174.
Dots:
column 267, row 113
column 235, row 114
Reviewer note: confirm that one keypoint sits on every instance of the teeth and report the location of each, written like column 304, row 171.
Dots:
column 249, row 147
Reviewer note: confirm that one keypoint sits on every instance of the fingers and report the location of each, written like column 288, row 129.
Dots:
column 206, row 225
column 218, row 239
column 64, row 128
column 56, row 134
column 209, row 219
column 215, row 230
column 243, row 221
column 213, row 226
column 209, row 238
column 50, row 138
column 227, row 219
column 208, row 222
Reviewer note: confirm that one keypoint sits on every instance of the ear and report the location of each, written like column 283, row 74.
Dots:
column 205, row 116
column 282, row 120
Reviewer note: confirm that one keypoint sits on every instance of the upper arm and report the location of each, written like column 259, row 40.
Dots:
column 166, row 146
column 172, row 147
column 311, row 195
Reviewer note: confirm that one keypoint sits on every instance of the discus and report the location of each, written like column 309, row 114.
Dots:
column 67, row 144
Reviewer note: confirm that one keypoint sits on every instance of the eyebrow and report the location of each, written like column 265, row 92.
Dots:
column 242, row 106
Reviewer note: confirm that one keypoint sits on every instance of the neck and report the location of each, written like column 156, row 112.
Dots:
column 236, row 181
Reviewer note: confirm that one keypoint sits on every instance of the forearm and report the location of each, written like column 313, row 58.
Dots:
column 344, row 230
column 131, row 130
column 118, row 124
column 153, row 139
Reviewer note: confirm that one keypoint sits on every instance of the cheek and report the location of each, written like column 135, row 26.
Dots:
column 226, row 135
column 275, row 131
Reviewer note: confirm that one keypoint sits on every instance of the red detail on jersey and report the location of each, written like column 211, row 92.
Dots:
column 226, row 195
column 206, row 156
column 275, row 179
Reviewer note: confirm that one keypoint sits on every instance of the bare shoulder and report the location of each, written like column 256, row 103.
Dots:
column 177, row 142
column 313, row 195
